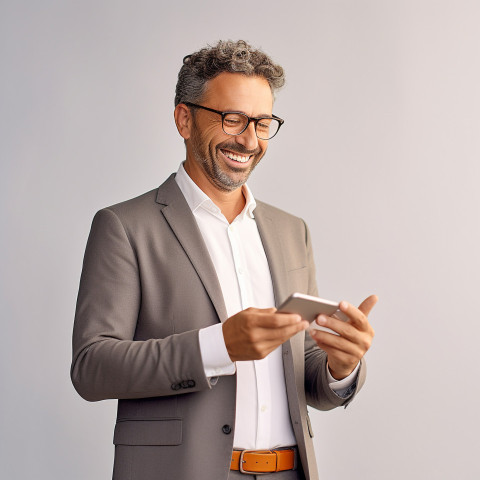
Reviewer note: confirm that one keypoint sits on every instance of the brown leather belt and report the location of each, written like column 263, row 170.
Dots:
column 263, row 461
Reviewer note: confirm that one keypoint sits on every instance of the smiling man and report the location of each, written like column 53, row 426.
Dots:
column 176, row 310
column 219, row 162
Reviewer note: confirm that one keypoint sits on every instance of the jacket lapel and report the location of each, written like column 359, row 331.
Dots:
column 273, row 250
column 181, row 220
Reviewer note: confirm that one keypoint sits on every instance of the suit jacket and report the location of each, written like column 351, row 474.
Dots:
column 147, row 286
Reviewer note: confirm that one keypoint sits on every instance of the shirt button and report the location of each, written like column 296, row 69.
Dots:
column 226, row 429
column 264, row 408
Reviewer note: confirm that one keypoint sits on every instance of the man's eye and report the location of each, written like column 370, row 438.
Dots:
column 264, row 125
column 231, row 122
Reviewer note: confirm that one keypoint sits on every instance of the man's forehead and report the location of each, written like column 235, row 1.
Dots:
column 235, row 91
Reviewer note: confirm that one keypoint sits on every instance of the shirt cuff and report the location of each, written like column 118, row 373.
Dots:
column 343, row 388
column 215, row 358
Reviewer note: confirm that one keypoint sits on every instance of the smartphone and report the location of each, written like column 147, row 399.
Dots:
column 310, row 308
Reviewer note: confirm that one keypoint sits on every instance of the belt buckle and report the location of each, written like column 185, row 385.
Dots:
column 249, row 472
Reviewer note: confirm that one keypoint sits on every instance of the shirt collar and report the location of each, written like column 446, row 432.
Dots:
column 197, row 198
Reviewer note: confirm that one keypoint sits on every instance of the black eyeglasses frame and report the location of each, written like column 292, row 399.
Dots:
column 255, row 120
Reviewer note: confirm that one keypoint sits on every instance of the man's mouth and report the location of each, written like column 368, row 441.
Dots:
column 236, row 156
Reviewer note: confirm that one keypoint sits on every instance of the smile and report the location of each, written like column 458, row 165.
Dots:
column 236, row 157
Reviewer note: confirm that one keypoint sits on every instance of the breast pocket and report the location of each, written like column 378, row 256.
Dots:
column 148, row 432
column 298, row 280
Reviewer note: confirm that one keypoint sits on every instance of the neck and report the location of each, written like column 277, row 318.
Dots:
column 231, row 203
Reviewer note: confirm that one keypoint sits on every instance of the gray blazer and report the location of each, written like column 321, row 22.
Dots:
column 147, row 286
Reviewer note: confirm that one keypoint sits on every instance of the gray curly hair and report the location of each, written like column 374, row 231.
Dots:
column 226, row 56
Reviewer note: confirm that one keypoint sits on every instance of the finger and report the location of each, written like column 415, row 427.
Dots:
column 343, row 328
column 355, row 316
column 328, row 341
column 261, row 310
column 358, row 317
column 278, row 320
column 294, row 329
column 265, row 318
column 268, row 340
column 282, row 334
column 367, row 305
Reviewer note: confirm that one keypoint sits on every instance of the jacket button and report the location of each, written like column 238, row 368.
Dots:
column 226, row 429
column 175, row 386
column 184, row 384
column 191, row 383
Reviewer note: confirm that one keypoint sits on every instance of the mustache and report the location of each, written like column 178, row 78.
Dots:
column 238, row 148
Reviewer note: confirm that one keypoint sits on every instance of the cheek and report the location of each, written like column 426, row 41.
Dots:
column 263, row 144
column 208, row 141
column 211, row 130
column 218, row 141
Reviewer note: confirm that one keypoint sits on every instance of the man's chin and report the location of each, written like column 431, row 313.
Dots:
column 232, row 178
column 228, row 184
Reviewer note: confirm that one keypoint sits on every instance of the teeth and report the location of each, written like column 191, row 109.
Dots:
column 237, row 158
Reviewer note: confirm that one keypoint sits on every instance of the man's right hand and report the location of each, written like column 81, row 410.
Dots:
column 253, row 333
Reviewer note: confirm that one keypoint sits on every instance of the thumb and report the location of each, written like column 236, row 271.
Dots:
column 366, row 306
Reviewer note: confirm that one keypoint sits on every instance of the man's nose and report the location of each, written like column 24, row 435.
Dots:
column 248, row 138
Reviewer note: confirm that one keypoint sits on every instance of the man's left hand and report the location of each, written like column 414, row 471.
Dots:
column 355, row 337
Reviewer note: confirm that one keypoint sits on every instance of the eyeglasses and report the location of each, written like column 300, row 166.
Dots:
column 235, row 123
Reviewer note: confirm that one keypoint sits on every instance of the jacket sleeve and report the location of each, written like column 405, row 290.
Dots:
column 318, row 392
column 107, row 361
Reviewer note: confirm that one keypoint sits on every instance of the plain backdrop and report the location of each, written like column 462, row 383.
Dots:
column 379, row 154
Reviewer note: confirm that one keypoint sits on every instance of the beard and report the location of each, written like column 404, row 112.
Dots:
column 225, row 177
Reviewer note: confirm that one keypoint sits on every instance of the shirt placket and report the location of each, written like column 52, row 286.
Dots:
column 240, row 267
column 262, row 377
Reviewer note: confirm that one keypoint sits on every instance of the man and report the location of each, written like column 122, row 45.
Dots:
column 175, row 314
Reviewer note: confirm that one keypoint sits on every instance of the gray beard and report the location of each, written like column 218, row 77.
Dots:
column 220, row 178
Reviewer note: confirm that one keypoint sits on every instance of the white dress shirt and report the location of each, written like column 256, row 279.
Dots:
column 262, row 418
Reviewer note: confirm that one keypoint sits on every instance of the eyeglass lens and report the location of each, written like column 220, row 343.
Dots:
column 235, row 123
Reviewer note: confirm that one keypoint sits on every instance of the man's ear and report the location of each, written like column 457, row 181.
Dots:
column 183, row 120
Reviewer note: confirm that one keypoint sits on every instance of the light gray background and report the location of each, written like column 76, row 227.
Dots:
column 379, row 153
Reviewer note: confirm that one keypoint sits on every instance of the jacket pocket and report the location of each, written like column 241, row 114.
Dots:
column 148, row 432
column 298, row 280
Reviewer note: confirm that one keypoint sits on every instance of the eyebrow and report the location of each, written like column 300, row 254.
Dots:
column 260, row 115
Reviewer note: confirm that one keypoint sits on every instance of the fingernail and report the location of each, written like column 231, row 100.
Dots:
column 322, row 320
column 343, row 305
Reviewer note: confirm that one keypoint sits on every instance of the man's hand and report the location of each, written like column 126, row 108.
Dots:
column 253, row 333
column 355, row 337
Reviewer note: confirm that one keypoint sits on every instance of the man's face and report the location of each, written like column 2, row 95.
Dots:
column 226, row 161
